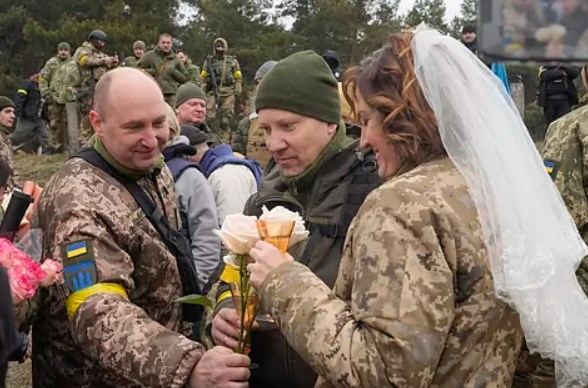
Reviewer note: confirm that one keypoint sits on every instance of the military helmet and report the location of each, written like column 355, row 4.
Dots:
column 98, row 35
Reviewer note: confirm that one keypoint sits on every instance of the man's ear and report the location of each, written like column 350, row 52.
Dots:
column 96, row 122
column 332, row 128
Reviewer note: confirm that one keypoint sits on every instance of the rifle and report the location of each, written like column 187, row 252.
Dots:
column 217, row 98
column 121, row 58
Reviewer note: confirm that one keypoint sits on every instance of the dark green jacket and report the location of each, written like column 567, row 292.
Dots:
column 167, row 69
column 131, row 61
column 322, row 207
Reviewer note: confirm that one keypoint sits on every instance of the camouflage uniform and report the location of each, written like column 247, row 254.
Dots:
column 6, row 153
column 131, row 61
column 124, row 332
column 92, row 65
column 249, row 140
column 168, row 71
column 566, row 160
column 229, row 85
column 193, row 72
column 49, row 83
column 414, row 303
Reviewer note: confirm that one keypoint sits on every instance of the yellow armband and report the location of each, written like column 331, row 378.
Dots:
column 75, row 300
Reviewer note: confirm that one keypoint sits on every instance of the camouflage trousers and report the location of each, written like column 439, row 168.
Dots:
column 57, row 125
column 221, row 121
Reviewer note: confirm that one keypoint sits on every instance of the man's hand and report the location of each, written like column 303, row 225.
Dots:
column 221, row 367
column 225, row 328
column 110, row 61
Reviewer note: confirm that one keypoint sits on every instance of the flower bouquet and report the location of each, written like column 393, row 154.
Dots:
column 25, row 274
column 280, row 227
column 22, row 260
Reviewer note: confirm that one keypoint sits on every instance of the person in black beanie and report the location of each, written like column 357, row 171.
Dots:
column 469, row 38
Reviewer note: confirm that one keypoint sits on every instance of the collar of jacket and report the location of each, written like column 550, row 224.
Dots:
column 96, row 143
column 170, row 55
column 4, row 130
column 303, row 182
column 316, row 203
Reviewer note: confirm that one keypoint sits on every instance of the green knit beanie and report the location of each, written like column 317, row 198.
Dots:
column 301, row 83
column 6, row 102
column 187, row 91
column 139, row 44
column 64, row 46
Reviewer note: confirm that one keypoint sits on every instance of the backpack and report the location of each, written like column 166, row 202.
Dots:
column 223, row 154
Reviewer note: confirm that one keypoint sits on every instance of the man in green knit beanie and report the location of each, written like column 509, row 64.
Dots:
column 318, row 173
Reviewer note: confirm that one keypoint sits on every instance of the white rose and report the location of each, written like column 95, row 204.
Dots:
column 280, row 213
column 239, row 233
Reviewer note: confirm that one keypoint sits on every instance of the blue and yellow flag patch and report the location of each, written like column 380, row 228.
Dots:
column 76, row 249
column 551, row 167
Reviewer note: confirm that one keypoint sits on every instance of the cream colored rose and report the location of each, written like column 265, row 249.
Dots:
column 280, row 213
column 239, row 233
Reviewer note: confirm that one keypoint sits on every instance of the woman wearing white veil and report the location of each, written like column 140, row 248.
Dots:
column 467, row 221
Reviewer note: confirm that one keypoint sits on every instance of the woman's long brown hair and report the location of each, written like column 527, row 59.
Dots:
column 387, row 81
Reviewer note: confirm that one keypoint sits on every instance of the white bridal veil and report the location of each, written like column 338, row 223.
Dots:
column 533, row 244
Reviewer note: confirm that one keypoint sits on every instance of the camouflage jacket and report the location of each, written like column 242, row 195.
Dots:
column 91, row 62
column 131, row 61
column 65, row 82
column 193, row 72
column 565, row 155
column 167, row 69
column 227, row 73
column 123, row 332
column 249, row 140
column 414, row 302
column 6, row 153
column 46, row 76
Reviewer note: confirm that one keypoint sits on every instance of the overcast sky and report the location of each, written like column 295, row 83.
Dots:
column 452, row 7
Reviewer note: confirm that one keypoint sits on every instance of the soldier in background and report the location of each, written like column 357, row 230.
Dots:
column 249, row 139
column 31, row 132
column 139, row 49
column 191, row 110
column 191, row 68
column 163, row 64
column 221, row 79
column 332, row 60
column 65, row 84
column 93, row 64
column 47, row 85
column 7, row 118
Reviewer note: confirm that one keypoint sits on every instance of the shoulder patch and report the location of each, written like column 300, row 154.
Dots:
column 79, row 266
column 551, row 166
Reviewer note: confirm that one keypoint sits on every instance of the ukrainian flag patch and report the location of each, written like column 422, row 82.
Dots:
column 551, row 167
column 76, row 249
